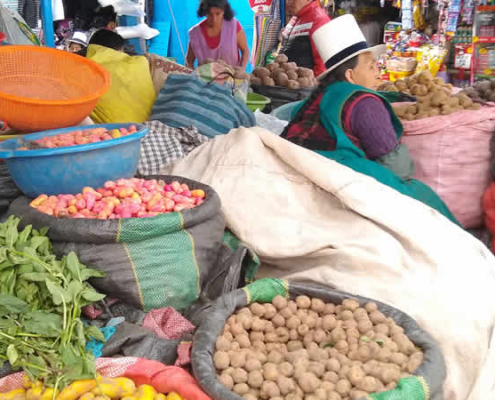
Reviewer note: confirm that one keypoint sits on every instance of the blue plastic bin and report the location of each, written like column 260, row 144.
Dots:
column 67, row 170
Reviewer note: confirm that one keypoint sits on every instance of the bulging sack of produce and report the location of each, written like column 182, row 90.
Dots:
column 131, row 95
column 279, row 339
column 124, row 377
column 150, row 262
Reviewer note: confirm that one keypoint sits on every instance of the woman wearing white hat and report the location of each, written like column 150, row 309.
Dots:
column 346, row 120
column 77, row 43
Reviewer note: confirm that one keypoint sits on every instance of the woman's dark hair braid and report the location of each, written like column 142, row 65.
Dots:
column 337, row 75
column 205, row 5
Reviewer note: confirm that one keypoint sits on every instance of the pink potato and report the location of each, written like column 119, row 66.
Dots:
column 125, row 198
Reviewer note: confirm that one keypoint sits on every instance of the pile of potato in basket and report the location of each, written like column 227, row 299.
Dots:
column 311, row 350
column 434, row 97
column 283, row 73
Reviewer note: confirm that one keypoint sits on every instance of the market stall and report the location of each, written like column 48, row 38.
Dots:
column 170, row 248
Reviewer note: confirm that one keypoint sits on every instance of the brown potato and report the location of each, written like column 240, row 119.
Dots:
column 292, row 75
column 273, row 66
column 255, row 80
column 282, row 79
column 292, row 66
column 261, row 72
column 281, row 58
column 267, row 81
column 304, row 72
column 293, row 84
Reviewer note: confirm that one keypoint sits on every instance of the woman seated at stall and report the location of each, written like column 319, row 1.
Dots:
column 346, row 120
column 218, row 37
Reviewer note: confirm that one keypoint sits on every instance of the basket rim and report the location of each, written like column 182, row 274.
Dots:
column 83, row 60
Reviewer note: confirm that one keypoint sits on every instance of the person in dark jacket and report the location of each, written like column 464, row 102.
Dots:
column 297, row 41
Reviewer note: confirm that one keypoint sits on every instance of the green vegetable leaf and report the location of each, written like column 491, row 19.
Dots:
column 81, row 337
column 380, row 342
column 73, row 266
column 37, row 367
column 35, row 276
column 328, row 345
column 365, row 339
column 13, row 304
column 12, row 354
column 38, row 241
column 44, row 231
column 93, row 332
column 92, row 295
column 87, row 273
column 24, row 235
column 12, row 235
column 74, row 290
column 59, row 295
column 43, row 323
column 3, row 254
column 6, row 323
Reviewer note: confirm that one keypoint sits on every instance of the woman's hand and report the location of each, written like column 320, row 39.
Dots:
column 243, row 48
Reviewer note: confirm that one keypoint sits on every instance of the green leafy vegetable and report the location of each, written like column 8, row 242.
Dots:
column 41, row 298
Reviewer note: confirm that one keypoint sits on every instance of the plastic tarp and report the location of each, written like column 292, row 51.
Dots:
column 311, row 219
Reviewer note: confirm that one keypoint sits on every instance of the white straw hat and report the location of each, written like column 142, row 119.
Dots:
column 340, row 40
column 79, row 38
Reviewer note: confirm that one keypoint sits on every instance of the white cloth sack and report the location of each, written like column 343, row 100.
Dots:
column 310, row 218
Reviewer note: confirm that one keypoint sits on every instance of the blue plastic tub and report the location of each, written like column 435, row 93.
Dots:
column 68, row 170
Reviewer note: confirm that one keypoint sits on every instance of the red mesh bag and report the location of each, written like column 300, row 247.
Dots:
column 167, row 323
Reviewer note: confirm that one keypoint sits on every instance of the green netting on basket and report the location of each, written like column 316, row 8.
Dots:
column 233, row 243
column 266, row 289
column 149, row 259
column 412, row 388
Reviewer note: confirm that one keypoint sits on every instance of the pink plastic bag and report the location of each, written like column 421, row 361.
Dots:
column 452, row 156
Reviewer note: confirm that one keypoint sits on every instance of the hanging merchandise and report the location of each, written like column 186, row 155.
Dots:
column 58, row 10
column 418, row 17
column 452, row 17
column 260, row 6
column 124, row 7
column 468, row 12
column 407, row 15
column 142, row 31
column 266, row 30
column 15, row 28
column 443, row 10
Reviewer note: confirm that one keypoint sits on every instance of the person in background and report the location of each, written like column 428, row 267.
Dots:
column 105, row 18
column 297, row 43
column 77, row 43
column 108, row 39
column 218, row 37
column 346, row 120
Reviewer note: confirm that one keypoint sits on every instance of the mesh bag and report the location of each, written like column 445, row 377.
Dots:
column 149, row 262
column 164, row 379
column 426, row 383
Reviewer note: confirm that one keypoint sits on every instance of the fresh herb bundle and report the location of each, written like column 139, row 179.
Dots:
column 40, row 308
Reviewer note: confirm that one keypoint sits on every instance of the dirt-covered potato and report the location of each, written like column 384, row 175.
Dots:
column 303, row 82
column 273, row 66
column 304, row 72
column 293, row 84
column 254, row 80
column 282, row 58
column 282, row 79
column 267, row 81
column 292, row 75
column 261, row 72
column 309, row 350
